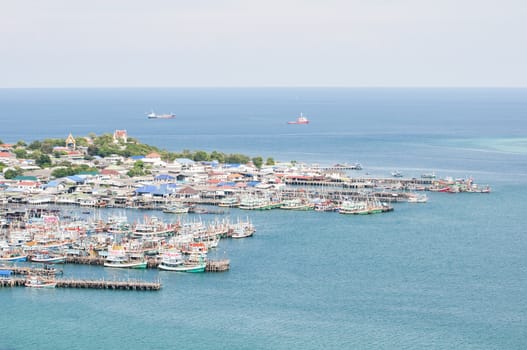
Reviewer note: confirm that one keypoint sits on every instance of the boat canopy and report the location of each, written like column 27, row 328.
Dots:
column 5, row 273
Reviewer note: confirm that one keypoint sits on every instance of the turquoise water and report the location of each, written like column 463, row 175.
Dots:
column 448, row 274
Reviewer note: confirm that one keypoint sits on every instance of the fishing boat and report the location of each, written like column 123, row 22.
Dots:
column 300, row 120
column 12, row 255
column 36, row 282
column 396, row 173
column 14, row 258
column 173, row 261
column 431, row 175
column 152, row 226
column 418, row 199
column 229, row 202
column 177, row 209
column 117, row 257
column 242, row 232
column 48, row 258
column 153, row 115
column 297, row 204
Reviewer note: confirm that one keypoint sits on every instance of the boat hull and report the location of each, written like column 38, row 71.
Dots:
column 184, row 268
column 20, row 258
column 133, row 265
column 60, row 260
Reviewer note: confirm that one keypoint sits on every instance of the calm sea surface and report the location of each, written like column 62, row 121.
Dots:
column 448, row 274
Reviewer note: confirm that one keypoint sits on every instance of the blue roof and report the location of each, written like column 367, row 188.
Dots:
column 253, row 183
column 53, row 183
column 137, row 157
column 75, row 178
column 164, row 177
column 232, row 165
column 160, row 190
column 5, row 272
column 221, row 184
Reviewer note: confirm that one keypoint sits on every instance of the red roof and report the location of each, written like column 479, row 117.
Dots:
column 28, row 183
column 109, row 172
column 6, row 155
column 153, row 155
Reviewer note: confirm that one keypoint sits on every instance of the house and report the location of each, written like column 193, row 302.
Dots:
column 7, row 158
column 153, row 158
column 120, row 135
column 187, row 193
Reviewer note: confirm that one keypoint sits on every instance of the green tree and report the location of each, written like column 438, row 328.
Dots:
column 269, row 161
column 219, row 156
column 258, row 162
column 21, row 153
column 12, row 173
column 35, row 145
column 44, row 161
column 201, row 156
column 20, row 144
column 137, row 170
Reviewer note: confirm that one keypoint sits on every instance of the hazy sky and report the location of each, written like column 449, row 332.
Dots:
column 68, row 43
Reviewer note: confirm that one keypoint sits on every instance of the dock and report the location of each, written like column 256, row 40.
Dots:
column 218, row 265
column 90, row 284
column 152, row 263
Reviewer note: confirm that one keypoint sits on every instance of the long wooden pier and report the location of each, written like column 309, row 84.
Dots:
column 152, row 263
column 89, row 284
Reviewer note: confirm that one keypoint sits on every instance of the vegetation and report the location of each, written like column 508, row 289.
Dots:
column 71, row 170
column 138, row 169
column 104, row 145
column 12, row 173
column 258, row 162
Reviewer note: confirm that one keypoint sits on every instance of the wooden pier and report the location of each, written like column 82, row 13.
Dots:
column 218, row 265
column 90, row 284
column 152, row 263
column 19, row 270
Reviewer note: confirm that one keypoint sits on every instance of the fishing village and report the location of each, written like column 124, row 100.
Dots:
column 66, row 202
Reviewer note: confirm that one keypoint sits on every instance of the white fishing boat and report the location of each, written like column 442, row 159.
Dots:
column 118, row 258
column 36, row 282
column 173, row 260
column 48, row 258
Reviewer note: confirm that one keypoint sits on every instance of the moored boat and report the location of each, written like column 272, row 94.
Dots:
column 173, row 261
column 48, row 258
column 118, row 258
column 35, row 282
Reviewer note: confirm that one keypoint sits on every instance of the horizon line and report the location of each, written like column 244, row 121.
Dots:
column 270, row 87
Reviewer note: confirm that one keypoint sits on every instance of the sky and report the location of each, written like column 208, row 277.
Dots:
column 268, row 43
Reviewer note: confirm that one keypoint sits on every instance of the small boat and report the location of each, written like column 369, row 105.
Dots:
column 46, row 258
column 418, row 199
column 153, row 115
column 242, row 232
column 35, row 282
column 14, row 257
column 177, row 209
column 300, row 120
column 431, row 175
column 173, row 261
column 117, row 257
column 396, row 173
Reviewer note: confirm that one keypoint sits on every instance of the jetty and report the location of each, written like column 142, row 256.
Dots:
column 89, row 284
column 152, row 263
column 218, row 265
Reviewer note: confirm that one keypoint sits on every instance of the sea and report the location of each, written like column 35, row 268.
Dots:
column 447, row 274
